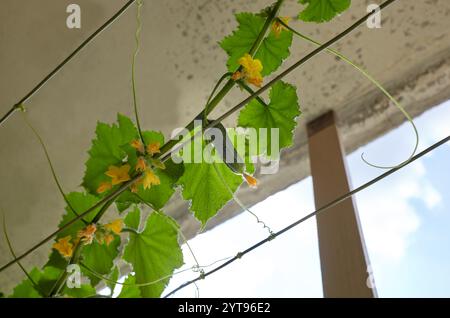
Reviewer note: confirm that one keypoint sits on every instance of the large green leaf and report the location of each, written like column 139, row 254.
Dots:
column 98, row 257
column 204, row 186
column 154, row 253
column 107, row 149
column 272, row 51
column 322, row 10
column 280, row 113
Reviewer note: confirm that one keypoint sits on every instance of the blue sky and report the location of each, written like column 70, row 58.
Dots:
column 405, row 220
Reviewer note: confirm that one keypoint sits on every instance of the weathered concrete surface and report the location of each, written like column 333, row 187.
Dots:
column 178, row 64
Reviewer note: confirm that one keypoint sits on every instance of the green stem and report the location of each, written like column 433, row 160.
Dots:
column 216, row 87
column 373, row 81
column 243, row 85
column 133, row 66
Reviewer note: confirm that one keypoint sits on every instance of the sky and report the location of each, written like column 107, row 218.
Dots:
column 405, row 220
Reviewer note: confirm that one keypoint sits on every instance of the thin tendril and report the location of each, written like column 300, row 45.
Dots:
column 5, row 232
column 133, row 64
column 235, row 198
column 52, row 169
column 197, row 291
column 100, row 276
column 376, row 83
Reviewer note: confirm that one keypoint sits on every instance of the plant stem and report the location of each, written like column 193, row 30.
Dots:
column 133, row 67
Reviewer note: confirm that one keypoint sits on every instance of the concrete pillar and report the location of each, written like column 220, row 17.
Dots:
column 343, row 256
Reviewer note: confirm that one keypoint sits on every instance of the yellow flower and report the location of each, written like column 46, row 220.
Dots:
column 104, row 186
column 150, row 179
column 277, row 27
column 115, row 226
column 64, row 247
column 134, row 187
column 251, row 70
column 118, row 174
column 108, row 239
column 87, row 234
column 137, row 144
column 153, row 148
column 251, row 181
column 141, row 165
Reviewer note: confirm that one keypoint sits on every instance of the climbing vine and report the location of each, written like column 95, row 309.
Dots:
column 130, row 168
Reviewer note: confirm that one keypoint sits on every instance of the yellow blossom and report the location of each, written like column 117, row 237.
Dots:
column 64, row 247
column 277, row 27
column 108, row 239
column 251, row 181
column 150, row 179
column 134, row 187
column 87, row 234
column 104, row 186
column 251, row 70
column 115, row 226
column 153, row 148
column 141, row 164
column 137, row 144
column 118, row 174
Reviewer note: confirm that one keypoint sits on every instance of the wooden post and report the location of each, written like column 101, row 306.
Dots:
column 343, row 256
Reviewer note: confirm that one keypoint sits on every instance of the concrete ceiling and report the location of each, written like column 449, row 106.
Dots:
column 178, row 64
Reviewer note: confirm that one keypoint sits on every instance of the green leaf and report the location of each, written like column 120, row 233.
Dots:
column 204, row 186
column 130, row 291
column 44, row 280
column 322, row 10
column 26, row 289
column 133, row 219
column 107, row 149
column 154, row 253
column 83, row 291
column 281, row 113
column 98, row 257
column 272, row 51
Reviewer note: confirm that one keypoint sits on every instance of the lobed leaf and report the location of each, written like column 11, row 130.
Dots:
column 322, row 10
column 272, row 51
column 280, row 113
column 154, row 252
